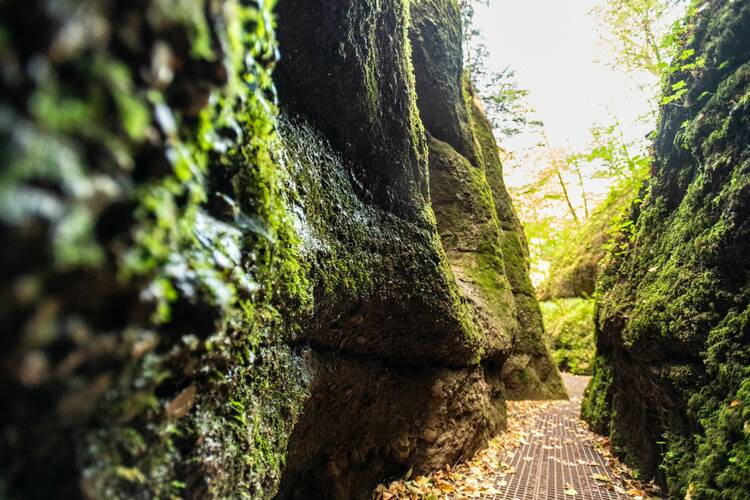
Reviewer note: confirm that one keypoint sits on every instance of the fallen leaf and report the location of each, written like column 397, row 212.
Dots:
column 422, row 481
column 182, row 403
column 446, row 487
column 571, row 492
column 635, row 492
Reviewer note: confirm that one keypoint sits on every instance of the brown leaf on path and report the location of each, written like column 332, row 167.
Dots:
column 446, row 487
column 635, row 492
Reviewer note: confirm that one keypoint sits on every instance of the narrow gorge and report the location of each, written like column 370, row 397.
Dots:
column 265, row 249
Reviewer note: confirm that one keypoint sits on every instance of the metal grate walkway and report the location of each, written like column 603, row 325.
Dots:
column 557, row 460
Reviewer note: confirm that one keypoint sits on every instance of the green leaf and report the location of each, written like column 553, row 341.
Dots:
column 686, row 54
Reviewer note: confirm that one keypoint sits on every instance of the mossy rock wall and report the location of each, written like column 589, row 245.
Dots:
column 529, row 371
column 150, row 277
column 480, row 232
column 213, row 290
column 396, row 349
column 391, row 348
column 671, row 376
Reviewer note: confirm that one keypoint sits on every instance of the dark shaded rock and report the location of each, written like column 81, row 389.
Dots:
column 671, row 381
column 390, row 321
column 392, row 315
column 383, row 420
column 350, row 70
column 435, row 34
column 470, row 235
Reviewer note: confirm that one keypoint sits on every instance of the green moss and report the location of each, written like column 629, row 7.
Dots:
column 207, row 270
column 470, row 234
column 716, row 464
column 569, row 324
column 670, row 378
column 596, row 407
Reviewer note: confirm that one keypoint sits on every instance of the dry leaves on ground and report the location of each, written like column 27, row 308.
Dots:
column 486, row 471
column 474, row 478
column 628, row 483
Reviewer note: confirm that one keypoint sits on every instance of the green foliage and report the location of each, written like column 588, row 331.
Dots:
column 625, row 162
column 506, row 105
column 566, row 252
column 569, row 324
column 639, row 32
column 684, row 60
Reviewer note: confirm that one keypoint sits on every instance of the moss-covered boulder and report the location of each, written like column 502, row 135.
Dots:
column 671, row 374
column 377, row 262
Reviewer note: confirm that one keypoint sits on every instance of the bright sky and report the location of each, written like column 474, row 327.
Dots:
column 557, row 53
column 553, row 46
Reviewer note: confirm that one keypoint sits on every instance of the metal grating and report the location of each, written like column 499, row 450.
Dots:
column 558, row 456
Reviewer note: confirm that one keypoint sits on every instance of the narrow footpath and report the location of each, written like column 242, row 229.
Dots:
column 547, row 453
